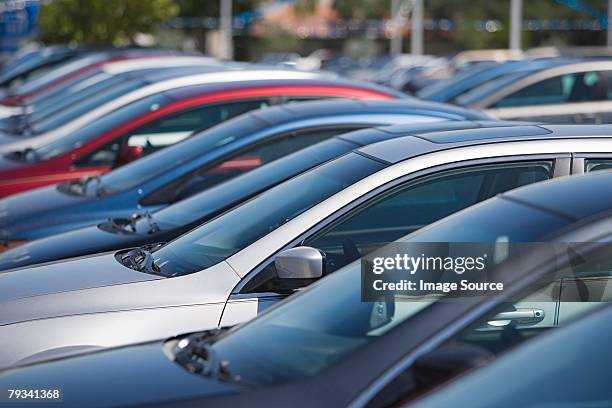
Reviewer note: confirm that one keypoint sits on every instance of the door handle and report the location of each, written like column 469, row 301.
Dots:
column 588, row 118
column 518, row 316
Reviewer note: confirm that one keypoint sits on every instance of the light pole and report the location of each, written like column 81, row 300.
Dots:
column 416, row 33
column 399, row 9
column 516, row 23
column 395, row 47
column 225, row 30
column 609, row 28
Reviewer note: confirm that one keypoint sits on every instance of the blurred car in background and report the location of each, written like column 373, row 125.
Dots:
column 68, row 100
column 411, row 79
column 152, row 112
column 73, row 68
column 448, row 90
column 377, row 354
column 206, row 159
column 149, row 229
column 36, row 62
column 570, row 93
column 224, row 272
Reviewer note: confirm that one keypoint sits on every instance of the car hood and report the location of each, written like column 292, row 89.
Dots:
column 128, row 376
column 8, row 165
column 80, row 242
column 7, row 137
column 27, row 294
column 37, row 207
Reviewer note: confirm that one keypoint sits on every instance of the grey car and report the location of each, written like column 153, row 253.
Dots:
column 579, row 92
column 224, row 272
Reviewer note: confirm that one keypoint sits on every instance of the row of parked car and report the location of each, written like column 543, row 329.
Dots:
column 181, row 231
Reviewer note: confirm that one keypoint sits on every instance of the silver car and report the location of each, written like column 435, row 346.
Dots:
column 578, row 92
column 240, row 263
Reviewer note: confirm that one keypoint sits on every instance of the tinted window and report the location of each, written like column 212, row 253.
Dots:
column 79, row 137
column 174, row 128
column 42, row 99
column 227, row 194
column 155, row 164
column 565, row 299
column 498, row 220
column 597, row 164
column 224, row 236
column 77, row 94
column 418, row 204
column 577, row 87
column 240, row 163
column 166, row 131
column 84, row 106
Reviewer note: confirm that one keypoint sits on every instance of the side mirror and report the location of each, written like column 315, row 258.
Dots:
column 300, row 263
column 128, row 154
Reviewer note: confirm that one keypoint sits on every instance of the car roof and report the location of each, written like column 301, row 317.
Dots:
column 403, row 148
column 335, row 107
column 116, row 67
column 236, row 77
column 373, row 135
column 575, row 197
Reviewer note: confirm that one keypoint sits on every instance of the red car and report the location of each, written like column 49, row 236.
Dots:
column 159, row 120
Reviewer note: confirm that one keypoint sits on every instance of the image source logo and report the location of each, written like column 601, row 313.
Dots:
column 412, row 271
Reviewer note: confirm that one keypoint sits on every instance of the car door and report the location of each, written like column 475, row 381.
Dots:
column 394, row 212
column 578, row 289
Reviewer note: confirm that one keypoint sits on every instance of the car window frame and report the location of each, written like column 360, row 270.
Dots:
column 560, row 168
column 590, row 233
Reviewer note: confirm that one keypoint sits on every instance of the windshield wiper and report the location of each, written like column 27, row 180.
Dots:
column 28, row 154
column 98, row 189
column 153, row 227
column 141, row 260
column 197, row 355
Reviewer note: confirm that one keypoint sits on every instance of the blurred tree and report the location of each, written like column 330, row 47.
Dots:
column 362, row 9
column 109, row 22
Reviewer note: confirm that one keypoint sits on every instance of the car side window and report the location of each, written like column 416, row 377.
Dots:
column 164, row 132
column 417, row 204
column 576, row 87
column 597, row 164
column 405, row 209
column 558, row 300
column 241, row 163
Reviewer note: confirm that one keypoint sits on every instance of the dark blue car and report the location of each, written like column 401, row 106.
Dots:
column 174, row 220
column 202, row 161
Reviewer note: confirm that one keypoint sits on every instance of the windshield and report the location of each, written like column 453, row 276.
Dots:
column 157, row 163
column 96, row 128
column 441, row 86
column 329, row 321
column 486, row 89
column 84, row 106
column 222, row 237
column 75, row 93
column 42, row 98
column 218, row 198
